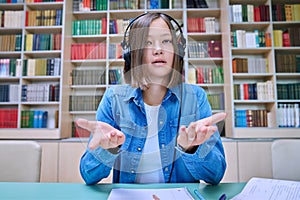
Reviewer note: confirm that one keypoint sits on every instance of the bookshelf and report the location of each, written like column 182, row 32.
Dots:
column 116, row 21
column 31, row 67
column 90, row 61
column 262, row 111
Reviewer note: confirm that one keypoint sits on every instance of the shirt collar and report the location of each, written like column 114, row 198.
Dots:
column 136, row 94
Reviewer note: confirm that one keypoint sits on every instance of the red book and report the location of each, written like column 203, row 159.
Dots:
column 200, row 75
column 215, row 49
column 286, row 42
column 256, row 14
column 246, row 93
column 104, row 26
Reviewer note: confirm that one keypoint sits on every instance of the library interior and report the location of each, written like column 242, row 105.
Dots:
column 58, row 58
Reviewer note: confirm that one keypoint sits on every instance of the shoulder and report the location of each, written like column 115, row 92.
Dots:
column 193, row 89
column 119, row 90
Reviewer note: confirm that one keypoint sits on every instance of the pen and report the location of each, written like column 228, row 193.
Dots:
column 222, row 197
column 197, row 193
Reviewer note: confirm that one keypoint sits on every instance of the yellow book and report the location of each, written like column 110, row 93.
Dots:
column 29, row 42
column 192, row 75
column 296, row 12
column 277, row 35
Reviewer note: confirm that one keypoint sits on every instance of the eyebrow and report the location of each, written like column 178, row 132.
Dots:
column 162, row 35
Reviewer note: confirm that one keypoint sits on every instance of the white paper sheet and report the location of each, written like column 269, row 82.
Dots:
column 147, row 194
column 263, row 188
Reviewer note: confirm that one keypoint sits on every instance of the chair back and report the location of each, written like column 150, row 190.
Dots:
column 286, row 159
column 20, row 161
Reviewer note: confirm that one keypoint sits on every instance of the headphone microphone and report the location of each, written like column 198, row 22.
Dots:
column 181, row 42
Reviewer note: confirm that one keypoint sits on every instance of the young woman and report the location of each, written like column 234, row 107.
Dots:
column 154, row 129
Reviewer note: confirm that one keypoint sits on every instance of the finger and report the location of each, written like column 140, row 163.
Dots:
column 192, row 131
column 214, row 118
column 155, row 197
column 87, row 125
column 95, row 141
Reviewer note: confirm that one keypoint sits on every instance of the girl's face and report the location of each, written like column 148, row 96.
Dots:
column 158, row 52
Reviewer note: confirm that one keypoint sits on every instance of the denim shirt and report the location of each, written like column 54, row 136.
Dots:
column 123, row 108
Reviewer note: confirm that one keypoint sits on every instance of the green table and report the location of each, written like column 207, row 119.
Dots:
column 12, row 190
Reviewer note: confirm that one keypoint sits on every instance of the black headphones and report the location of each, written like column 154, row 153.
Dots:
column 181, row 42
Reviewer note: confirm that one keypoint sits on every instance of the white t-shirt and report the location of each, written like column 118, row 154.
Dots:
column 150, row 169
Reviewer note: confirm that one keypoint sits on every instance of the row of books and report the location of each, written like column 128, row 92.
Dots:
column 216, row 101
column 12, row 42
column 287, row 63
column 251, row 118
column 254, row 91
column 249, row 65
column 249, row 13
column 84, row 103
column 248, row 39
column 288, row 115
column 8, row 117
column 89, row 5
column 10, row 67
column 42, row 67
column 285, row 12
column 82, row 51
column 288, row 91
column 205, row 49
column 11, row 1
column 125, row 4
column 11, row 18
column 9, row 92
column 118, row 26
column 89, row 26
column 88, row 77
column 44, row 17
column 202, row 24
column 43, row 42
column 39, row 1
column 40, row 92
column 289, row 37
column 205, row 75
column 34, row 119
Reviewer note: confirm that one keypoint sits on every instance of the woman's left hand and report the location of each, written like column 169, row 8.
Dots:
column 198, row 132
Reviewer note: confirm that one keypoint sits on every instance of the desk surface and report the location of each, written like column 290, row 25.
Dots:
column 72, row 191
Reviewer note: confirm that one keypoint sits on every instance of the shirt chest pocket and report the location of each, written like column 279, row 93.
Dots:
column 184, row 120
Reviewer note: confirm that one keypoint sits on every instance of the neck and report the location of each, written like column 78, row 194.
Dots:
column 154, row 95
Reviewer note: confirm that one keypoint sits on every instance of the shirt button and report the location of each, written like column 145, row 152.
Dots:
column 161, row 122
column 132, row 171
column 166, row 169
column 162, row 146
column 139, row 148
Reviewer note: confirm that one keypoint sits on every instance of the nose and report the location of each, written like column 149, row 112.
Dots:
column 157, row 48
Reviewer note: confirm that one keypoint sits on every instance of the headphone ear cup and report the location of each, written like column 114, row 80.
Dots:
column 181, row 51
column 126, row 55
column 127, row 59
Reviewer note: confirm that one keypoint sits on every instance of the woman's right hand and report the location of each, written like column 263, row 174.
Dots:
column 104, row 135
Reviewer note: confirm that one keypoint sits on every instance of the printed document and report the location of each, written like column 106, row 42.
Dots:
column 263, row 188
column 150, row 194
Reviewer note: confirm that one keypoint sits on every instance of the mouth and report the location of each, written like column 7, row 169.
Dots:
column 159, row 62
